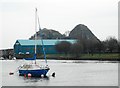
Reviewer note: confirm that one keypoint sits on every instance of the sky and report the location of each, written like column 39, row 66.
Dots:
column 18, row 17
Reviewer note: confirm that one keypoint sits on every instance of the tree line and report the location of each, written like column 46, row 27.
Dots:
column 89, row 46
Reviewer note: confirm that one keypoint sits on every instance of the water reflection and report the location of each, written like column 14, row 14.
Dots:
column 34, row 79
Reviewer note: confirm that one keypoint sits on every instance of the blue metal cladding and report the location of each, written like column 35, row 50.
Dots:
column 28, row 46
column 33, row 58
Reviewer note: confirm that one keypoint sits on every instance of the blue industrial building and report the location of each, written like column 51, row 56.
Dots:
column 27, row 47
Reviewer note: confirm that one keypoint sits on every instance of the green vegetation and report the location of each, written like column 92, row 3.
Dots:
column 101, row 56
column 107, row 56
column 86, row 49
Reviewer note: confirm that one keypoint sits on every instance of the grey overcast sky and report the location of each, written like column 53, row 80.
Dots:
column 18, row 17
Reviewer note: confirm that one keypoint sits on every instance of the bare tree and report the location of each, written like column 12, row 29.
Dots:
column 112, row 44
column 63, row 47
column 67, row 33
column 76, row 49
column 119, row 47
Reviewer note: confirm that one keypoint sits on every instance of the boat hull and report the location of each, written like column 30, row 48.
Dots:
column 34, row 73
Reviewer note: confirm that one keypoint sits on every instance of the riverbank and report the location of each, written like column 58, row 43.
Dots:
column 102, row 57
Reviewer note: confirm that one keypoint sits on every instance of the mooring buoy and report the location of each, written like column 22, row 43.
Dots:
column 11, row 73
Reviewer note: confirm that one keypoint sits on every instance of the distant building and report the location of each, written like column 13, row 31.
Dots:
column 27, row 47
column 6, row 53
column 1, row 53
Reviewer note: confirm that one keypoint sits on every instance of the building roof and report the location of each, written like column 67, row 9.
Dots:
column 45, row 41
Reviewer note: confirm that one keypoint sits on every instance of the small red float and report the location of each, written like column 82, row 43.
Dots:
column 25, row 75
column 29, row 75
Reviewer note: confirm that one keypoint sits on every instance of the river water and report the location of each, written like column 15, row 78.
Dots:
column 68, row 73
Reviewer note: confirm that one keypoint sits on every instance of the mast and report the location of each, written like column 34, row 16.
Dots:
column 35, row 29
column 35, row 55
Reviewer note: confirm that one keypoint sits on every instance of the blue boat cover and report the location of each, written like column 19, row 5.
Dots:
column 34, row 58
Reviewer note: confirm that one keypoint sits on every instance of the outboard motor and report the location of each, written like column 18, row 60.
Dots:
column 53, row 74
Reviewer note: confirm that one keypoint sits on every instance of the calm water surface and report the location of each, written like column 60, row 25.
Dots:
column 68, row 73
